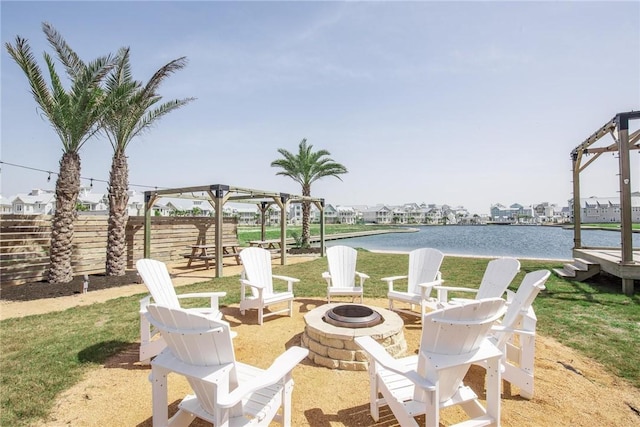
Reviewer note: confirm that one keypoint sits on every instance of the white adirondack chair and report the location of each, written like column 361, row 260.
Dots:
column 341, row 277
column 258, row 278
column 156, row 277
column 497, row 277
column 515, row 334
column 424, row 274
column 227, row 392
column 453, row 338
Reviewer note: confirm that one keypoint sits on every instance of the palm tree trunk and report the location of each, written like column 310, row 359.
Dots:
column 67, row 189
column 118, row 214
column 306, row 209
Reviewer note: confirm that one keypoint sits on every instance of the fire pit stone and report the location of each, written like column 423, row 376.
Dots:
column 334, row 347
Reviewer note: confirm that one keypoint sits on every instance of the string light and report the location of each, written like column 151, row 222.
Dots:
column 82, row 177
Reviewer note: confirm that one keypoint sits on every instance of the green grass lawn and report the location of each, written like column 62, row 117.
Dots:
column 611, row 225
column 246, row 233
column 45, row 354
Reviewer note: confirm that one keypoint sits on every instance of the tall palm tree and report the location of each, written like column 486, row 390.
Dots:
column 137, row 108
column 305, row 168
column 74, row 116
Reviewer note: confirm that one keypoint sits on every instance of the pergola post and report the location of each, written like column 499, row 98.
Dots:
column 218, row 192
column 577, row 235
column 264, row 206
column 149, row 200
column 284, row 206
column 622, row 124
column 320, row 206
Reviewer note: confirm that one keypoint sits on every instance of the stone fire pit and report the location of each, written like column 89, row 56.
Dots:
column 334, row 347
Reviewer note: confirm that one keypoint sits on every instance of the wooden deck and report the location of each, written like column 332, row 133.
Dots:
column 610, row 261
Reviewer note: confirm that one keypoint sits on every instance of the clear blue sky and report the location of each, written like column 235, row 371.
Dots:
column 463, row 103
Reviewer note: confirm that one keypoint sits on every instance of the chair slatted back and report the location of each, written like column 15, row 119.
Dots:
column 342, row 266
column 257, row 268
column 424, row 266
column 454, row 331
column 497, row 277
column 156, row 277
column 531, row 285
column 196, row 340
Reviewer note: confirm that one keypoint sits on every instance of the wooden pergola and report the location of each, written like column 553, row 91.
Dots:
column 623, row 144
column 219, row 194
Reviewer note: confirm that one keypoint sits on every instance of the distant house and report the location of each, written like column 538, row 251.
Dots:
column 187, row 207
column 331, row 215
column 246, row 215
column 379, row 214
column 5, row 205
column 346, row 215
column 606, row 209
column 500, row 212
column 92, row 202
column 38, row 202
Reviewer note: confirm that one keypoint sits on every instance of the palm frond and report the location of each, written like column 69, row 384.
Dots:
column 67, row 56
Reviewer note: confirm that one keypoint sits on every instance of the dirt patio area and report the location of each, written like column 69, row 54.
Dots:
column 570, row 390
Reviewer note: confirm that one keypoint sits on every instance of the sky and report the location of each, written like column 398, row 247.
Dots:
column 457, row 103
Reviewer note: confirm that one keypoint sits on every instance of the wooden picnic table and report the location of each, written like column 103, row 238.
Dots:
column 202, row 253
column 266, row 244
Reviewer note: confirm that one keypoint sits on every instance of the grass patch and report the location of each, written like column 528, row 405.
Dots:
column 245, row 234
column 46, row 354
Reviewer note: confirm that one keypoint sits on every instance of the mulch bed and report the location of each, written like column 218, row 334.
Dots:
column 37, row 290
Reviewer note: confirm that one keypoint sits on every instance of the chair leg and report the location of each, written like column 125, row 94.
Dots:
column 260, row 316
column 286, row 401
column 493, row 382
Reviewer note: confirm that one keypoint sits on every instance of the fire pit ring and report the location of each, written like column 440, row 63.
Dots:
column 353, row 316
column 334, row 347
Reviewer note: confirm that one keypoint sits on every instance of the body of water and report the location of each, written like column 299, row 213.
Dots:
column 491, row 240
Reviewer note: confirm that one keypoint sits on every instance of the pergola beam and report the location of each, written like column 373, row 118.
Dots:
column 219, row 194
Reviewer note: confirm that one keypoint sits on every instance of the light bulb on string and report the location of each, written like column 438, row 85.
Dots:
column 49, row 177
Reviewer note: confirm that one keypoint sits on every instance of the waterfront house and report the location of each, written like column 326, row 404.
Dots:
column 37, row 202
column 379, row 214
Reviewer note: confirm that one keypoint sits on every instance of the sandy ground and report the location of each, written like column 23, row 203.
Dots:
column 570, row 390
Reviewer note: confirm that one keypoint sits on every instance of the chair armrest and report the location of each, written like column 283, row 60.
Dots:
column 362, row 277
column 213, row 296
column 290, row 281
column 504, row 329
column 443, row 295
column 246, row 282
column 380, row 355
column 384, row 359
column 144, row 302
column 287, row 278
column 425, row 288
column 391, row 279
column 279, row 369
column 327, row 276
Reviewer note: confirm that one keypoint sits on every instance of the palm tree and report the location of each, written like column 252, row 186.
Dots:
column 74, row 116
column 305, row 168
column 136, row 110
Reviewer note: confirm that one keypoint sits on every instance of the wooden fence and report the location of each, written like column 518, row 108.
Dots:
column 25, row 241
